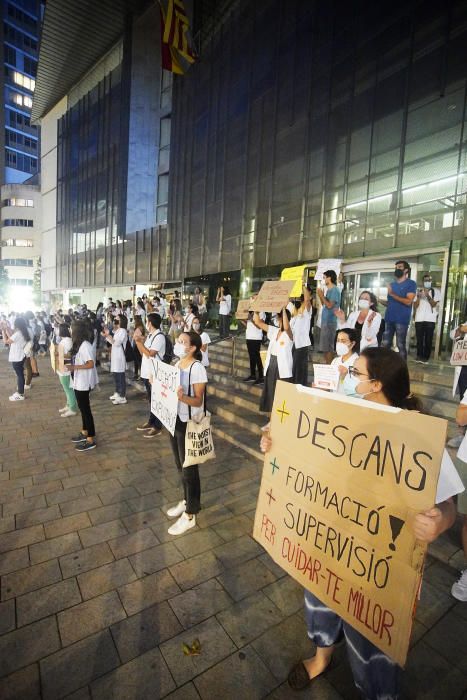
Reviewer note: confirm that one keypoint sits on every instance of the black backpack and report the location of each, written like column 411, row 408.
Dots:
column 129, row 352
column 169, row 349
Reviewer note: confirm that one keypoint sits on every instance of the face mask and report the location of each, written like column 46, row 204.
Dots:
column 398, row 273
column 361, row 381
column 363, row 304
column 349, row 385
column 180, row 350
column 427, row 285
column 342, row 349
column 196, row 327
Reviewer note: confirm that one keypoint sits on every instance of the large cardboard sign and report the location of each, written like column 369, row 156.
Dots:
column 328, row 264
column 339, row 488
column 273, row 296
column 459, row 353
column 164, row 399
column 295, row 274
column 243, row 308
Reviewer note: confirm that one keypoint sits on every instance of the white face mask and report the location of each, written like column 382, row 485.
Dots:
column 427, row 285
column 342, row 349
column 363, row 304
column 180, row 350
column 196, row 327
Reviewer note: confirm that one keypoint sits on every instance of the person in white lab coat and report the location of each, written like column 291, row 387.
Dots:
column 117, row 358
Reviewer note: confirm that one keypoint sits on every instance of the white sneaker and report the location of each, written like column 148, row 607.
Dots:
column 183, row 524
column 16, row 397
column 459, row 589
column 27, row 386
column 118, row 400
column 114, row 396
column 62, row 410
column 455, row 441
column 68, row 413
column 177, row 510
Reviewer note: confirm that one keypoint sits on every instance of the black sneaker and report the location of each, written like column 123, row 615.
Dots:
column 85, row 446
column 249, row 379
column 78, row 438
column 259, row 381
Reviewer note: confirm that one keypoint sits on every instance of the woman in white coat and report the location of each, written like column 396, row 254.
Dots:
column 366, row 320
column 117, row 357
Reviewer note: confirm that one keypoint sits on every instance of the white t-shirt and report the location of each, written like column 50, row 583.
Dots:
column 252, row 331
column 16, row 353
column 198, row 376
column 337, row 361
column 84, row 379
column 154, row 341
column 449, row 481
column 282, row 348
column 300, row 325
column 424, row 311
column 205, row 339
column 64, row 348
column 225, row 305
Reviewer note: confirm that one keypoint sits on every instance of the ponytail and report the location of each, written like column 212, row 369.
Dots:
column 195, row 340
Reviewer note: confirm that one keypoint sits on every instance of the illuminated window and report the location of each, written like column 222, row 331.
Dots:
column 18, row 202
column 19, row 242
column 22, row 100
column 24, row 81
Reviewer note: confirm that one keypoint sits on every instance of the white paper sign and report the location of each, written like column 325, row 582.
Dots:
column 326, row 377
column 328, row 264
column 164, row 399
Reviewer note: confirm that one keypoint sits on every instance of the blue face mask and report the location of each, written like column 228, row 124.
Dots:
column 349, row 385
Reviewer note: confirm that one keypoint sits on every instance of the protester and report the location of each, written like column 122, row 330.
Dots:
column 401, row 295
column 191, row 398
column 381, row 376
column 254, row 337
column 192, row 312
column 152, row 346
column 459, row 589
column 460, row 381
column 117, row 358
column 140, row 310
column 279, row 360
column 426, row 312
column 366, row 320
column 205, row 340
column 330, row 301
column 224, row 299
column 85, row 379
column 137, row 324
column 347, row 354
column 63, row 353
column 300, row 324
column 18, row 342
column 176, row 325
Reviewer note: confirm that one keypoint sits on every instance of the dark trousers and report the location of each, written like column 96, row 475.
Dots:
column 462, row 383
column 254, row 347
column 400, row 329
column 153, row 421
column 300, row 366
column 190, row 475
column 425, row 331
column 224, row 325
column 84, row 405
column 120, row 383
column 137, row 360
column 19, row 369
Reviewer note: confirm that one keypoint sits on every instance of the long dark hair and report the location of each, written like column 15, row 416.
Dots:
column 123, row 321
column 21, row 326
column 389, row 368
column 64, row 331
column 79, row 333
column 195, row 339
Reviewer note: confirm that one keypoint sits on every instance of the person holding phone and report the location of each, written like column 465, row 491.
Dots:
column 64, row 361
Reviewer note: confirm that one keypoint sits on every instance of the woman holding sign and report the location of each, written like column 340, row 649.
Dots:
column 193, row 380
column 279, row 361
column 379, row 375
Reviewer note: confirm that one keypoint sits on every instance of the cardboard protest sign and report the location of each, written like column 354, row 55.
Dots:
column 273, row 296
column 339, row 488
column 459, row 353
column 164, row 399
column 325, row 376
column 295, row 274
column 328, row 264
column 243, row 307
column 53, row 358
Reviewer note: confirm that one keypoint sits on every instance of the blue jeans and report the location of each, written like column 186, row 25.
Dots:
column 120, row 383
column 400, row 329
column 19, row 369
column 153, row 421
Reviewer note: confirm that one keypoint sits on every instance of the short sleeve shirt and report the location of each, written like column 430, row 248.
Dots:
column 198, row 376
column 328, row 317
column 397, row 312
column 83, row 379
column 154, row 341
column 16, row 353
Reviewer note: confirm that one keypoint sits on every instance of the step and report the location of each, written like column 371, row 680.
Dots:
column 247, row 442
column 234, row 384
column 240, row 418
column 434, row 391
column 245, row 399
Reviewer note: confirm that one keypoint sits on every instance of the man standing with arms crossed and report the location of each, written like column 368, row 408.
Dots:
column 401, row 295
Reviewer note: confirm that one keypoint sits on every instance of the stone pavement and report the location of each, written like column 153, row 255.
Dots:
column 97, row 599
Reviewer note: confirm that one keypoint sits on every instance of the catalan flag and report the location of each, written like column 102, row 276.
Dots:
column 176, row 45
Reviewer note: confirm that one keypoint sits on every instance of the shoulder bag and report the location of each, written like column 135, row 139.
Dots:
column 199, row 445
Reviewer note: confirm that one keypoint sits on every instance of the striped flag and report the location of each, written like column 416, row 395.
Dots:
column 176, row 43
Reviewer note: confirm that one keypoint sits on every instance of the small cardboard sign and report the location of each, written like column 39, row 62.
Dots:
column 459, row 353
column 243, row 308
column 164, row 399
column 325, row 376
column 53, row 358
column 326, row 264
column 340, row 485
column 273, row 296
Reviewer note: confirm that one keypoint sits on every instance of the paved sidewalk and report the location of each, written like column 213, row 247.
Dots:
column 97, row 599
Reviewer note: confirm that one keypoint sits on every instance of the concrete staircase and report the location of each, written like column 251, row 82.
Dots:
column 235, row 403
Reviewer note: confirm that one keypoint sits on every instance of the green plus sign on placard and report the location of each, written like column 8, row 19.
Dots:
column 274, row 465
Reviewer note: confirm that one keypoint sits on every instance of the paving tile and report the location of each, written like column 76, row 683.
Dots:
column 80, row 505
column 155, row 559
column 7, row 524
column 33, row 517
column 66, row 495
column 81, row 694
column 249, row 618
column 322, row 690
column 47, row 601
column 79, row 480
column 213, row 515
column 48, row 487
column 27, row 645
column 21, row 538
column 433, row 604
column 50, row 476
column 23, row 505
column 440, row 576
column 199, row 541
column 242, row 674
column 186, row 692
column 106, row 485
column 192, row 571
column 147, row 591
column 277, row 570
column 145, row 630
column 14, row 560
column 56, row 547
column 105, row 578
column 11, row 495
column 150, row 500
column 25, row 580
column 118, row 494
column 449, row 638
column 215, row 645
column 146, row 518
column 234, row 527
column 7, row 617
column 106, row 513
column 135, row 542
column 90, row 658
column 85, row 559
column 89, row 617
column 22, row 685
column 199, row 603
column 237, row 551
column 429, row 676
column 62, row 526
column 140, row 679
column 244, row 579
column 286, row 594
column 281, row 646
column 102, row 533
